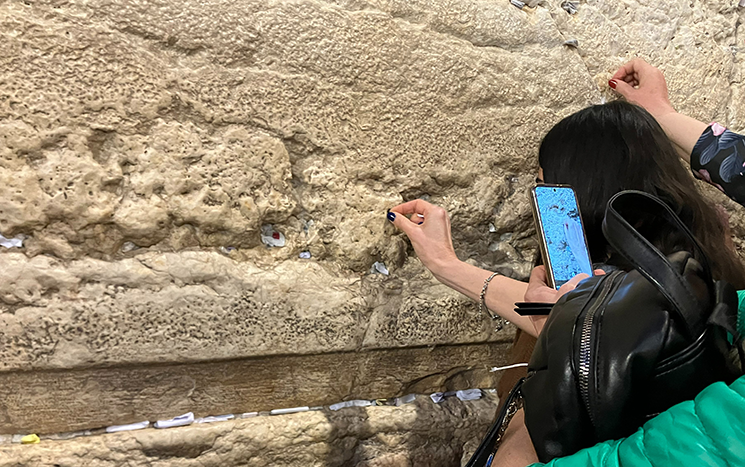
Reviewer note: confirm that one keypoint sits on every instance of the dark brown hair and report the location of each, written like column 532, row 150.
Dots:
column 604, row 149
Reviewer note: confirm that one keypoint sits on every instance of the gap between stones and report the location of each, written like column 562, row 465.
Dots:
column 188, row 418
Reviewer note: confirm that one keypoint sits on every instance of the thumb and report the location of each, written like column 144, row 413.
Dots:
column 401, row 222
column 571, row 285
column 623, row 88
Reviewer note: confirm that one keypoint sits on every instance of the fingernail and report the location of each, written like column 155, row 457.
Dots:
column 422, row 222
column 612, row 84
column 391, row 216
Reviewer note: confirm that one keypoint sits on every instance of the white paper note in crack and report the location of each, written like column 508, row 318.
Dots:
column 351, row 403
column 211, row 419
column 16, row 241
column 468, row 395
column 128, row 427
column 183, row 420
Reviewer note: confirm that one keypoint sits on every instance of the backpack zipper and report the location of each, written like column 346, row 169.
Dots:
column 585, row 347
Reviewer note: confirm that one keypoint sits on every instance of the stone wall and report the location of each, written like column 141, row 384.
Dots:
column 144, row 145
column 419, row 433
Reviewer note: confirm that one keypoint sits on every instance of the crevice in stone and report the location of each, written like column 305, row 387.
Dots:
column 415, row 23
column 591, row 78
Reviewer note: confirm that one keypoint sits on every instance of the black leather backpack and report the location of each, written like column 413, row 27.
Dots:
column 625, row 346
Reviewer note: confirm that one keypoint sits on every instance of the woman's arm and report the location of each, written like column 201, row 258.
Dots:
column 644, row 85
column 501, row 295
column 683, row 131
column 430, row 236
column 715, row 154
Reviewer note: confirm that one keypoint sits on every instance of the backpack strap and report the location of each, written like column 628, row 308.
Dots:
column 648, row 260
column 725, row 316
column 490, row 444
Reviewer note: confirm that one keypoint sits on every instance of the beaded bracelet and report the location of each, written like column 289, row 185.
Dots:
column 482, row 305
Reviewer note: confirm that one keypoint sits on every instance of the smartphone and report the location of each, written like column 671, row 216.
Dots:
column 561, row 234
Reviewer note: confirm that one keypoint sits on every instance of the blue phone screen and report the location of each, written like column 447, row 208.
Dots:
column 562, row 228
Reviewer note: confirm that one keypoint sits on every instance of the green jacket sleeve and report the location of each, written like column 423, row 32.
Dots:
column 707, row 431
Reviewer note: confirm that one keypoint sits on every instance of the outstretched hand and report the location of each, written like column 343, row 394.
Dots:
column 428, row 229
column 644, row 85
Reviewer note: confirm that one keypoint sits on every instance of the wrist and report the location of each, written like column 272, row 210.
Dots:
column 445, row 267
column 662, row 112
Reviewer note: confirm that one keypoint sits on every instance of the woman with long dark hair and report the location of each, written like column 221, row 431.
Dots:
column 702, row 432
column 599, row 151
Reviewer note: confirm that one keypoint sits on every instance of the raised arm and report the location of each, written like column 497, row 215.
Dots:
column 430, row 236
column 715, row 154
column 644, row 85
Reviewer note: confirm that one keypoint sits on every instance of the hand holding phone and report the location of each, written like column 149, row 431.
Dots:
column 561, row 234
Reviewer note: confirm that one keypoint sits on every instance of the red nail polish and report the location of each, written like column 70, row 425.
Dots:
column 612, row 84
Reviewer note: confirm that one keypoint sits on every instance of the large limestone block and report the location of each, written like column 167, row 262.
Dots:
column 189, row 126
column 417, row 434
column 242, row 114
column 52, row 401
column 168, row 307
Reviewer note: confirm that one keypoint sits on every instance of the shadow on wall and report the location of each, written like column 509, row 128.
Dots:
column 420, row 433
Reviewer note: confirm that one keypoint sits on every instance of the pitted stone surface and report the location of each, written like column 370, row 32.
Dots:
column 192, row 306
column 144, row 145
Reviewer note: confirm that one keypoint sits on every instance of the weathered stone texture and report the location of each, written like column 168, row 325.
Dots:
column 143, row 145
column 92, row 398
column 416, row 434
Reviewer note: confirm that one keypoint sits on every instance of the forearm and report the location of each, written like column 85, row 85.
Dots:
column 501, row 295
column 683, row 131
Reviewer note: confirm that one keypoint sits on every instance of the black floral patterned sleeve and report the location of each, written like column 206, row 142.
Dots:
column 719, row 159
